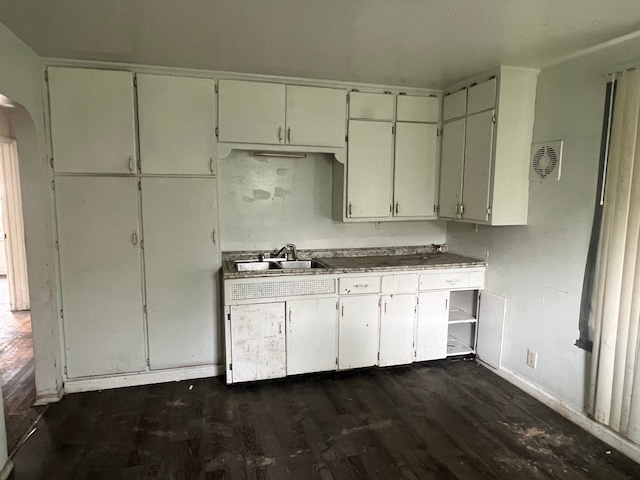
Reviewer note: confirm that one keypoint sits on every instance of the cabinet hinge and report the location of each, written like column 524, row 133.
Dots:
column 148, row 362
column 216, row 132
column 391, row 208
column 393, row 130
column 144, row 309
column 488, row 210
column 229, row 316
column 142, row 244
column 461, row 209
column 46, row 79
column 437, row 207
column 53, row 184
column 439, row 132
column 135, row 84
column 378, row 356
column 65, row 370
column 346, row 138
column 336, row 361
column 216, row 87
column 493, row 119
column 348, row 97
column 337, row 305
column 51, row 162
column 61, row 313
column 388, row 92
column 231, row 366
column 57, row 245
column 139, row 165
column 355, row 90
column 139, row 185
column 402, row 93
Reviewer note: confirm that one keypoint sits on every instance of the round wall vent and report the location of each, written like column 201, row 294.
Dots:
column 545, row 160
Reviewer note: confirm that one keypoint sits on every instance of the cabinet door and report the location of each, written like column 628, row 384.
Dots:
column 397, row 329
column 451, row 168
column 415, row 170
column 258, row 341
column 101, row 278
column 92, row 120
column 412, row 108
column 371, row 106
column 477, row 166
column 358, row 331
column 432, row 327
column 369, row 162
column 181, row 265
column 454, row 105
column 176, row 122
column 482, row 97
column 316, row 116
column 311, row 335
column 251, row 112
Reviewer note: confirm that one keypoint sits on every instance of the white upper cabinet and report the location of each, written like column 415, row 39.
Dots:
column 371, row 106
column 414, row 184
column 251, row 112
column 485, row 152
column 369, row 169
column 316, row 116
column 92, row 120
column 277, row 114
column 481, row 96
column 454, row 105
column 412, row 108
column 176, row 122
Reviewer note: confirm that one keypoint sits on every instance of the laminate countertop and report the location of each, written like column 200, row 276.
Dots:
column 356, row 261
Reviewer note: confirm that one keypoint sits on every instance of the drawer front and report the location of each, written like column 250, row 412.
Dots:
column 355, row 285
column 404, row 283
column 476, row 279
column 448, row 280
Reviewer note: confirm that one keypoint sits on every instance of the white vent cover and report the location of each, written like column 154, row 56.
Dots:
column 546, row 159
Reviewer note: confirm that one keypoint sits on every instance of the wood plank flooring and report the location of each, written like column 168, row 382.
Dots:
column 17, row 372
column 447, row 420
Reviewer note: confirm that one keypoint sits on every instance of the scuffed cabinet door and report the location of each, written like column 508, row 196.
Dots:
column 397, row 326
column 358, row 331
column 258, row 341
column 452, row 168
column 477, row 166
column 433, row 325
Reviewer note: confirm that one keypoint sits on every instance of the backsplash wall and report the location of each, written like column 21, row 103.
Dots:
column 266, row 202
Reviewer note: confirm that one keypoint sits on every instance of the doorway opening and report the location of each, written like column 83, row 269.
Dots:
column 16, row 347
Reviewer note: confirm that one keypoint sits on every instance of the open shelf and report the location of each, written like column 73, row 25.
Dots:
column 457, row 315
column 455, row 346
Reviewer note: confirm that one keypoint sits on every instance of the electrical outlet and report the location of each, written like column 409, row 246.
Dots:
column 532, row 358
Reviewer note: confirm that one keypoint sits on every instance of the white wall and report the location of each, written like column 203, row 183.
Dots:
column 268, row 202
column 540, row 267
column 21, row 80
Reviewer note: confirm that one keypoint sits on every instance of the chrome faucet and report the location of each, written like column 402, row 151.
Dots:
column 289, row 250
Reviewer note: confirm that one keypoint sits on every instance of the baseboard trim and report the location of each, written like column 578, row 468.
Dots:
column 47, row 398
column 596, row 429
column 143, row 378
column 6, row 470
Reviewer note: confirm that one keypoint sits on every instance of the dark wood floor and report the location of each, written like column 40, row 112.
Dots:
column 452, row 420
column 17, row 372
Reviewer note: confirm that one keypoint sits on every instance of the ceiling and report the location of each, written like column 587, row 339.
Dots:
column 423, row 43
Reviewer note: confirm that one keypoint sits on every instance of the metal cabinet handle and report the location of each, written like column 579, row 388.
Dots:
column 279, row 327
column 132, row 165
column 211, row 166
column 361, row 285
column 397, row 207
column 349, row 208
column 215, row 242
column 289, row 135
column 134, row 238
column 280, row 134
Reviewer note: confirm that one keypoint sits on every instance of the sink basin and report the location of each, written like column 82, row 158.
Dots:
column 292, row 264
column 274, row 264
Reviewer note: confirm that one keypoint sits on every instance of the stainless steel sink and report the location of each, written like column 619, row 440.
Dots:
column 276, row 264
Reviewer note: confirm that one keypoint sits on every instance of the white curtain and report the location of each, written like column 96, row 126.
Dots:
column 615, row 377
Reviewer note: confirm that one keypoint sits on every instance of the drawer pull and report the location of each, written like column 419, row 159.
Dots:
column 452, row 281
column 361, row 285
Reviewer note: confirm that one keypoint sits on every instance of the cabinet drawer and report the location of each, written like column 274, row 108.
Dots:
column 354, row 285
column 445, row 280
column 454, row 105
column 372, row 106
column 482, row 97
column 404, row 283
column 476, row 279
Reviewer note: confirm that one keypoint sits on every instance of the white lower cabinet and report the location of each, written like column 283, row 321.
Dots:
column 258, row 348
column 101, row 275
column 311, row 335
column 432, row 325
column 397, row 329
column 180, row 256
column 358, row 331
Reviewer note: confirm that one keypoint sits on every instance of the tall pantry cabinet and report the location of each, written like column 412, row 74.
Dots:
column 136, row 235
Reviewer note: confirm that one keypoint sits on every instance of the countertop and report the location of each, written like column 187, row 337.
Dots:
column 357, row 261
